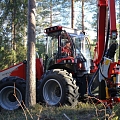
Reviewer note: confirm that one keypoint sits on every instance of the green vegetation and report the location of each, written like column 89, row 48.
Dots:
column 83, row 111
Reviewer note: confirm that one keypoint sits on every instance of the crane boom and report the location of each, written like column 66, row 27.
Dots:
column 103, row 7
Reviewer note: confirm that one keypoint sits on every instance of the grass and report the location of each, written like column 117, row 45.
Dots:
column 83, row 111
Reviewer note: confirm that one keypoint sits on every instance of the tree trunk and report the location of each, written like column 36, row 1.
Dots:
column 51, row 15
column 31, row 55
column 83, row 28
column 13, row 28
column 13, row 42
column 72, row 14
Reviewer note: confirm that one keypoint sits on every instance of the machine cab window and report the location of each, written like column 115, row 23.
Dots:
column 58, row 37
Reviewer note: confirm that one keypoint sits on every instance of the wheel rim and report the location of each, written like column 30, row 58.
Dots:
column 52, row 92
column 7, row 99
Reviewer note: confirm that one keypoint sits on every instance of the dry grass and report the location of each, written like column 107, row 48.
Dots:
column 83, row 111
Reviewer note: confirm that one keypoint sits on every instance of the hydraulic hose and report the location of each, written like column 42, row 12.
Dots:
column 91, row 82
column 95, row 74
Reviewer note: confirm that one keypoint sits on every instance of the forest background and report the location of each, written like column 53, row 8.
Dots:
column 13, row 24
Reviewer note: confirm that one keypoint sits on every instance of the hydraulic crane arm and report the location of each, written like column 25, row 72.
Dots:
column 103, row 7
column 113, row 30
column 104, row 63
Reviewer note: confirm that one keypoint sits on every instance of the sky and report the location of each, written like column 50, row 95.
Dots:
column 88, row 15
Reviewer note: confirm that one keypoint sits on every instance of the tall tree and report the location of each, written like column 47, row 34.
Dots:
column 12, row 23
column 72, row 14
column 31, row 55
column 83, row 27
column 85, row 8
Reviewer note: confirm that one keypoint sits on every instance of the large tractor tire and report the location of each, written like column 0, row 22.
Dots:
column 12, row 92
column 58, row 88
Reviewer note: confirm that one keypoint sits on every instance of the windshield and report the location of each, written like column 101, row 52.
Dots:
column 82, row 45
column 51, row 45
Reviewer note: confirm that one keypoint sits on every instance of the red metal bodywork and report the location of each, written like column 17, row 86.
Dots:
column 19, row 70
column 111, row 4
column 65, row 59
column 102, row 8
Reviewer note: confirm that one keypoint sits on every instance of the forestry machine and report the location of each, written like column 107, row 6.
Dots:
column 67, row 79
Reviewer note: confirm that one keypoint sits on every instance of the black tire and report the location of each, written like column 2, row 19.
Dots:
column 57, row 87
column 9, row 86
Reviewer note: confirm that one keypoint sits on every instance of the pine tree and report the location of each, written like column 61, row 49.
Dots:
column 12, row 32
column 31, row 56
